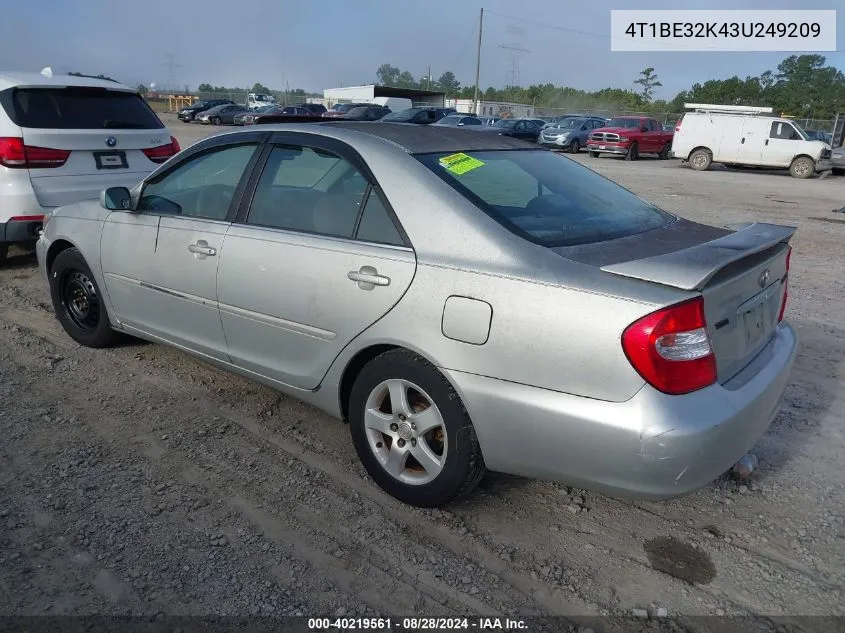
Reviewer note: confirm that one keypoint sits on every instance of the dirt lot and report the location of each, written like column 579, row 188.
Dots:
column 137, row 480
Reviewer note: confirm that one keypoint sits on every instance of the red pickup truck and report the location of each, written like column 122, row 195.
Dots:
column 630, row 136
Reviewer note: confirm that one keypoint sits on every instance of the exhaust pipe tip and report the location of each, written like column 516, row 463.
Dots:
column 745, row 466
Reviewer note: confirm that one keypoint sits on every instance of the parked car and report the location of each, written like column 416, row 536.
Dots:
column 570, row 134
column 314, row 108
column 630, row 136
column 257, row 100
column 189, row 113
column 818, row 135
column 488, row 120
column 731, row 138
column 420, row 116
column 65, row 138
column 221, row 115
column 440, row 369
column 557, row 119
column 241, row 118
column 340, row 109
column 524, row 129
column 837, row 161
column 540, row 122
column 458, row 120
column 365, row 113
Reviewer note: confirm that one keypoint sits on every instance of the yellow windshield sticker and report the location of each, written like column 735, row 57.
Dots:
column 460, row 163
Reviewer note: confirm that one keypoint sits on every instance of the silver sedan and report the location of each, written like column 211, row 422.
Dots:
column 464, row 301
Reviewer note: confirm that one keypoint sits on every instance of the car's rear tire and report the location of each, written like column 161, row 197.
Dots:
column 664, row 153
column 701, row 159
column 575, row 146
column 594, row 154
column 633, row 152
column 837, row 172
column 802, row 167
column 216, row 120
column 78, row 302
column 423, row 450
column 4, row 253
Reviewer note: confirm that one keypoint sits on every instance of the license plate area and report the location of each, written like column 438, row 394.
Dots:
column 114, row 159
column 602, row 146
column 758, row 319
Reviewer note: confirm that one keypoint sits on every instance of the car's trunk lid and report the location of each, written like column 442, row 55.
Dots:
column 739, row 274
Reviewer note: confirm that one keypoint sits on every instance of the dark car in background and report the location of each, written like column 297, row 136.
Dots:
column 525, row 129
column 341, row 109
column 420, row 116
column 818, row 135
column 459, row 120
column 365, row 113
column 189, row 113
column 222, row 114
column 314, row 108
column 241, row 118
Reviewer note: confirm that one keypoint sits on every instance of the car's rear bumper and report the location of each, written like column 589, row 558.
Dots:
column 20, row 211
column 653, row 446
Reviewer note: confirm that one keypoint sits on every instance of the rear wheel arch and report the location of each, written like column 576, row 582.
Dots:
column 700, row 147
column 358, row 362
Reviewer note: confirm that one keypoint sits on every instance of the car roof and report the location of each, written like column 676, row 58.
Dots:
column 12, row 79
column 415, row 139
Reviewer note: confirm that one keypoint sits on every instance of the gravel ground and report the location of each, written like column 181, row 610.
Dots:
column 137, row 480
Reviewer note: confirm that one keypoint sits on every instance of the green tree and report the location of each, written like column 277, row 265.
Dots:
column 388, row 75
column 448, row 83
column 206, row 88
column 142, row 90
column 260, row 88
column 648, row 81
column 406, row 80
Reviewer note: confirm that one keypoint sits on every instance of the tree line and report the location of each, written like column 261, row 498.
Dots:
column 802, row 86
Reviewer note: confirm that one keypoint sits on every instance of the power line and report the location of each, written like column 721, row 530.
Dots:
column 550, row 26
column 469, row 39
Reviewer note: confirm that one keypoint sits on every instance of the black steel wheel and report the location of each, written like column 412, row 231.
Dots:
column 78, row 302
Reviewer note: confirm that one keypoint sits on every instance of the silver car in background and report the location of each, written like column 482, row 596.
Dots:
column 464, row 301
column 570, row 133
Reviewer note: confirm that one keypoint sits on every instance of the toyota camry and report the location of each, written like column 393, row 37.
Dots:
column 465, row 302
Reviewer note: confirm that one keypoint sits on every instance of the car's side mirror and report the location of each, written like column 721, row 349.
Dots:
column 116, row 199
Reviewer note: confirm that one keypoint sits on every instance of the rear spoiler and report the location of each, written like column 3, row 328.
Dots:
column 291, row 118
column 691, row 268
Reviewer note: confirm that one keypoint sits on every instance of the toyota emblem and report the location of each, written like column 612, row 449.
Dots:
column 764, row 278
column 111, row 141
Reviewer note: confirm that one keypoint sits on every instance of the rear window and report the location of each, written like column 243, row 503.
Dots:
column 544, row 197
column 78, row 108
column 631, row 124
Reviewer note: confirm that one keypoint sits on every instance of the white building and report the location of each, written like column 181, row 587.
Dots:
column 394, row 98
column 492, row 108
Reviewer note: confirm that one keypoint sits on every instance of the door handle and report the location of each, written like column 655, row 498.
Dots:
column 202, row 248
column 767, row 141
column 743, row 141
column 367, row 278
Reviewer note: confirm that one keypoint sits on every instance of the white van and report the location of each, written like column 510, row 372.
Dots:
column 255, row 100
column 743, row 135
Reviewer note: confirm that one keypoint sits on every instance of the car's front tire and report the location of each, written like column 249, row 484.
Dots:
column 802, row 167
column 594, row 154
column 412, row 432
column 4, row 253
column 78, row 302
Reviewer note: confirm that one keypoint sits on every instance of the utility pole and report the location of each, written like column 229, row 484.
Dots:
column 478, row 62
column 429, row 78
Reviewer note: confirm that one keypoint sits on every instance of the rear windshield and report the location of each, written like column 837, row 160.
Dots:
column 544, row 197
column 78, row 108
column 631, row 124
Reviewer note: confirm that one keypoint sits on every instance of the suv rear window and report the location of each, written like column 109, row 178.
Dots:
column 78, row 108
column 546, row 198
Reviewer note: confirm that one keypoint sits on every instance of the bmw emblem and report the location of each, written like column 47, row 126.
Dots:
column 111, row 141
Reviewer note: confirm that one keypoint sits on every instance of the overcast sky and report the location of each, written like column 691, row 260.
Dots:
column 317, row 44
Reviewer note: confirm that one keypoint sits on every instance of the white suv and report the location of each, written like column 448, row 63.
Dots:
column 66, row 138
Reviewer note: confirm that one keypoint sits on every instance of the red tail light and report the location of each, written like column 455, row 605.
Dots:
column 161, row 153
column 678, row 125
column 15, row 155
column 671, row 348
column 785, row 286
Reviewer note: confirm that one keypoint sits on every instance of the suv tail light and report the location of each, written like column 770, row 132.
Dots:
column 161, row 153
column 15, row 155
column 678, row 124
column 671, row 348
column 785, row 286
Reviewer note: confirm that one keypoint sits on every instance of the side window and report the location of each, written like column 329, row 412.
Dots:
column 376, row 224
column 784, row 131
column 202, row 187
column 308, row 189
